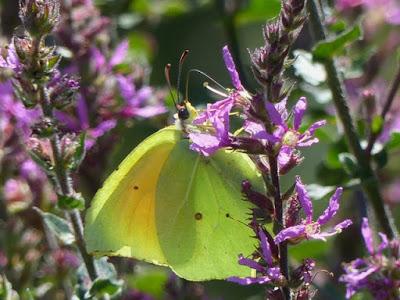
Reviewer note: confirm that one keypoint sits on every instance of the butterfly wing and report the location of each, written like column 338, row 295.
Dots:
column 121, row 219
column 200, row 213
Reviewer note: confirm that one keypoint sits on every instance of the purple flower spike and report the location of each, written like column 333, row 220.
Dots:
column 230, row 65
column 376, row 272
column 268, row 273
column 309, row 229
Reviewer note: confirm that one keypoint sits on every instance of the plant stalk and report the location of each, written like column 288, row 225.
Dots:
column 278, row 224
column 65, row 186
column 369, row 181
column 386, row 108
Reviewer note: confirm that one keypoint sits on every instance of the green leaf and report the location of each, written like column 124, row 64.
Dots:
column 394, row 141
column 42, row 162
column 102, row 287
column 75, row 201
column 58, row 226
column 259, row 10
column 349, row 163
column 79, row 154
column 332, row 46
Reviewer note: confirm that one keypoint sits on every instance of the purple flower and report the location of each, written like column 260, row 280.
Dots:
column 375, row 273
column 100, row 62
column 309, row 229
column 216, row 118
column 285, row 135
column 15, row 110
column 269, row 272
column 82, row 123
column 138, row 102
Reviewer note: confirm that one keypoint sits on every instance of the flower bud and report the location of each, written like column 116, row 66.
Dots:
column 64, row 91
column 45, row 128
column 39, row 17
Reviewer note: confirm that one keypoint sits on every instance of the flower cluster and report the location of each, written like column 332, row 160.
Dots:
column 116, row 94
column 377, row 273
column 272, row 135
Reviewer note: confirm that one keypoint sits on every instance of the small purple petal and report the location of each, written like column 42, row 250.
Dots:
column 284, row 156
column 367, row 235
column 332, row 208
column 274, row 273
column 273, row 114
column 249, row 280
column 292, row 232
column 304, row 199
column 335, row 230
column 119, row 53
column 82, row 111
column 230, row 65
column 384, row 242
column 298, row 112
column 315, row 126
column 67, row 120
column 127, row 87
column 102, row 128
column 205, row 144
column 98, row 59
column 250, row 263
column 307, row 142
column 266, row 249
column 258, row 131
column 145, row 112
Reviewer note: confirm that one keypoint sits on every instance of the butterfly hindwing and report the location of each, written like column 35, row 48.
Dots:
column 204, row 230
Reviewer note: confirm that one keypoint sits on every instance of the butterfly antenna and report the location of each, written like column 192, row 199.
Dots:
column 167, row 71
column 181, row 61
column 205, row 75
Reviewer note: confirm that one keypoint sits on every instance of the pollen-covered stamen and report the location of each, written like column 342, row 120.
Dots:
column 290, row 138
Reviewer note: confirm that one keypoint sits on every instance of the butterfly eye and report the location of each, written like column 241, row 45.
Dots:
column 183, row 113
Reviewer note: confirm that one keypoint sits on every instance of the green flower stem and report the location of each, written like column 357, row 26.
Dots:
column 278, row 224
column 369, row 181
column 65, row 186
column 386, row 108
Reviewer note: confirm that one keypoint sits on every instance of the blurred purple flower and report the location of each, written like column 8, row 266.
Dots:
column 100, row 62
column 66, row 259
column 390, row 9
column 309, row 229
column 15, row 110
column 376, row 273
column 17, row 194
column 82, row 123
column 138, row 102
column 269, row 272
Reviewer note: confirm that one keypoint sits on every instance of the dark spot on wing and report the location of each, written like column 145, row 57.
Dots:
column 136, row 187
column 228, row 215
column 198, row 216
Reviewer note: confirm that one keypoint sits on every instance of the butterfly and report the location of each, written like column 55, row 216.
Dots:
column 168, row 205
